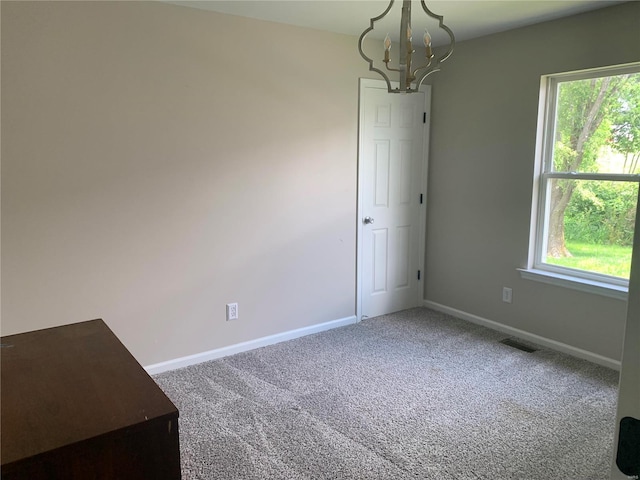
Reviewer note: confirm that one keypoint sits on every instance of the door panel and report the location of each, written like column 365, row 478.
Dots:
column 381, row 165
column 403, row 257
column 380, row 241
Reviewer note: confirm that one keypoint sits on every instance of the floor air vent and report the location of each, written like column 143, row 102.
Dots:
column 516, row 344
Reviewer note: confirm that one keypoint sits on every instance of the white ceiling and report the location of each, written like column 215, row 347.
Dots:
column 468, row 18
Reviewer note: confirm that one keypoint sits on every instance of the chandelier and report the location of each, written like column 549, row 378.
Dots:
column 407, row 73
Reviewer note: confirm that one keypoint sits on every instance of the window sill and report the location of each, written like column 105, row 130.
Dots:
column 575, row 283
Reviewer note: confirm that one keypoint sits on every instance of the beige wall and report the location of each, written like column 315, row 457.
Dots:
column 483, row 141
column 159, row 162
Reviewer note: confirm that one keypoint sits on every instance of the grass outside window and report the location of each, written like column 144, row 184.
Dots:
column 611, row 260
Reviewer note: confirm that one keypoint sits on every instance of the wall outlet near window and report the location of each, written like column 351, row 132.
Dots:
column 232, row 311
column 507, row 294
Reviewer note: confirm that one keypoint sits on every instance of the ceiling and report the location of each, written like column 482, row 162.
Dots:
column 468, row 19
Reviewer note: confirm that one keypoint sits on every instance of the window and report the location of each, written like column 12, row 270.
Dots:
column 587, row 176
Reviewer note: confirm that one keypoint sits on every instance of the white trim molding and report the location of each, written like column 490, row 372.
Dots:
column 537, row 339
column 619, row 292
column 245, row 346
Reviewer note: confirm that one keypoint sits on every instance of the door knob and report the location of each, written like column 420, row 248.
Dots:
column 367, row 220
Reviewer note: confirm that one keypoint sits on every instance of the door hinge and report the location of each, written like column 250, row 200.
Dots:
column 418, row 274
column 421, row 198
column 424, row 117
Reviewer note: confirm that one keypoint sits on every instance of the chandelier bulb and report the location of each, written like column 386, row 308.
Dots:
column 387, row 49
column 427, row 38
column 427, row 44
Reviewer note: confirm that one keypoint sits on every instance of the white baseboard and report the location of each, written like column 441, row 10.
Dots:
column 245, row 346
column 545, row 342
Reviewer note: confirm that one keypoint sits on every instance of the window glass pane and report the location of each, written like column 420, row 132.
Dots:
column 597, row 125
column 590, row 225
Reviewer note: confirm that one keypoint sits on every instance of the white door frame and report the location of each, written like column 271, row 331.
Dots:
column 628, row 388
column 422, row 225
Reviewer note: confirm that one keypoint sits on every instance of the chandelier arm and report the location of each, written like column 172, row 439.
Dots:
column 392, row 69
column 441, row 24
column 436, row 66
column 363, row 55
column 425, row 75
column 422, row 67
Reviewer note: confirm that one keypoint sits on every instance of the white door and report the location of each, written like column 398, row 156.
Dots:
column 392, row 192
column 629, row 387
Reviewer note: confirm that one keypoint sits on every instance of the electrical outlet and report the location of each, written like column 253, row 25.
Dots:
column 507, row 294
column 232, row 311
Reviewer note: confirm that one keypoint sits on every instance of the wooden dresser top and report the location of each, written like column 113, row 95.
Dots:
column 68, row 384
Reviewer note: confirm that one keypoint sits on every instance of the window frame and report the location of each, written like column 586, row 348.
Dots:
column 545, row 143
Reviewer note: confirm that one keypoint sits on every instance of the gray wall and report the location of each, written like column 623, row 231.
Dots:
column 483, row 140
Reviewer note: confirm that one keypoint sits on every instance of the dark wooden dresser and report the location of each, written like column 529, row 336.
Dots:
column 77, row 405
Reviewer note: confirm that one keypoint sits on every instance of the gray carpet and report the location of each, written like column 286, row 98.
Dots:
column 417, row 394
